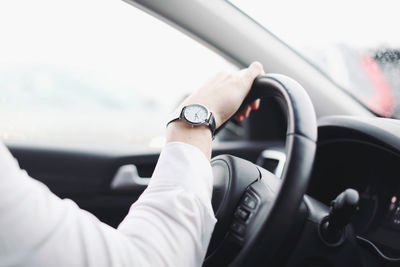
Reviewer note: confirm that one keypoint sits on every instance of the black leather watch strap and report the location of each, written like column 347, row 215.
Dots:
column 212, row 124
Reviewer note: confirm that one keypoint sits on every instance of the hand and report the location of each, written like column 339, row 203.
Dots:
column 224, row 93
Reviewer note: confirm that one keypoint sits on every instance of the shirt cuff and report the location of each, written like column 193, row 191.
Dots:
column 184, row 165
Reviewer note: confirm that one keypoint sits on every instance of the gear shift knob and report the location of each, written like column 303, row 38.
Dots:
column 342, row 210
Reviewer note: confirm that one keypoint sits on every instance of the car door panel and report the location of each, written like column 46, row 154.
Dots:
column 86, row 177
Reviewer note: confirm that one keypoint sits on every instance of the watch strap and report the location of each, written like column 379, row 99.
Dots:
column 177, row 115
column 212, row 124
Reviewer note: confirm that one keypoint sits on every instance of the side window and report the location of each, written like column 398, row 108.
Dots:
column 93, row 73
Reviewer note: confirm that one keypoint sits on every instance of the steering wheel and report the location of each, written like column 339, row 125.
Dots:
column 255, row 209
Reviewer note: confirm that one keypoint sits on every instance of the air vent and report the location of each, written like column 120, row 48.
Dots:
column 273, row 161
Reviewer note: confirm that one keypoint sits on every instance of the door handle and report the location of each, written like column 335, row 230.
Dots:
column 127, row 179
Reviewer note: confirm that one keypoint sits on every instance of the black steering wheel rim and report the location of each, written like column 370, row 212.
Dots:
column 301, row 137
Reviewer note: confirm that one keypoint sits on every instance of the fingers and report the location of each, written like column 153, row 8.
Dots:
column 248, row 75
column 255, row 105
column 238, row 117
column 253, row 71
column 245, row 113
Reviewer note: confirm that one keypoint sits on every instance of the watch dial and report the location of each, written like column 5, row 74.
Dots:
column 195, row 114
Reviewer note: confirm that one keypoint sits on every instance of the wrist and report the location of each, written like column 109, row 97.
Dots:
column 199, row 136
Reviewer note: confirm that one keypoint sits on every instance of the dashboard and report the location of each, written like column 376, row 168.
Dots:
column 363, row 154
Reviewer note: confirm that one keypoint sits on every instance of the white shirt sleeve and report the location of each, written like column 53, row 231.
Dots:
column 170, row 224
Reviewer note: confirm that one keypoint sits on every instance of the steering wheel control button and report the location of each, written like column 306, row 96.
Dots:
column 238, row 228
column 249, row 201
column 242, row 214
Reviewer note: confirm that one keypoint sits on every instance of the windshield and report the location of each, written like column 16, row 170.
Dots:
column 354, row 43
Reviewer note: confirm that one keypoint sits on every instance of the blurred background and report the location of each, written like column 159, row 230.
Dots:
column 355, row 43
column 102, row 73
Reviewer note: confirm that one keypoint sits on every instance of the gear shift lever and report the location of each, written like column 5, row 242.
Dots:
column 342, row 209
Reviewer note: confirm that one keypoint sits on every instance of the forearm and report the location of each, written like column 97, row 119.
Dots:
column 170, row 225
column 198, row 136
column 174, row 215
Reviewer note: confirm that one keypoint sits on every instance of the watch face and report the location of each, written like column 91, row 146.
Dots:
column 196, row 114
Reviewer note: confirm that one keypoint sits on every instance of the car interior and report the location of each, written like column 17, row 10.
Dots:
column 310, row 179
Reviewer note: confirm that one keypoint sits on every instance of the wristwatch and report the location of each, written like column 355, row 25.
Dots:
column 195, row 115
